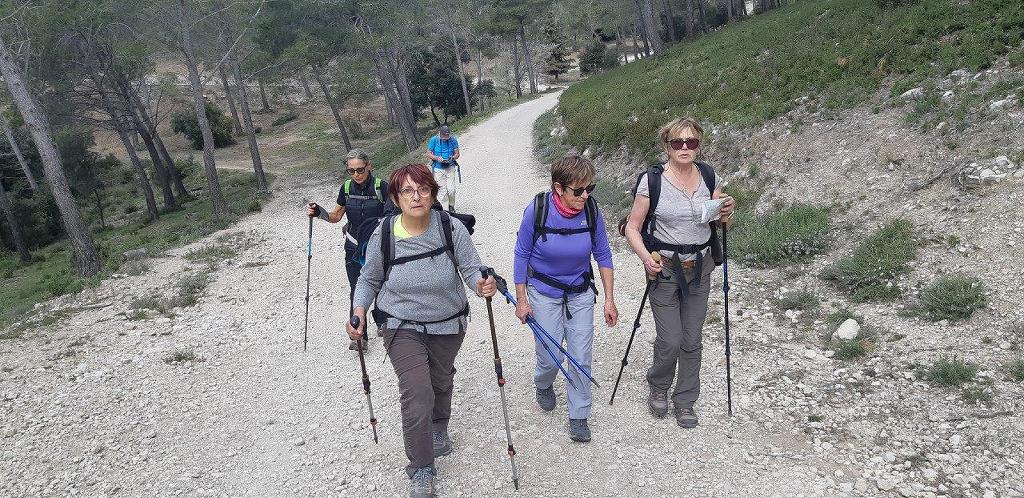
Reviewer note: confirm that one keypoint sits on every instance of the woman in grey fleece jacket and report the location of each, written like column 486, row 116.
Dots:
column 422, row 305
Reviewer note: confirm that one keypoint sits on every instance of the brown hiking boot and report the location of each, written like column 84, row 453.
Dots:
column 685, row 417
column 658, row 403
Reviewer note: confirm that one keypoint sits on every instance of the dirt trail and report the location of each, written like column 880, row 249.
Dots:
column 90, row 406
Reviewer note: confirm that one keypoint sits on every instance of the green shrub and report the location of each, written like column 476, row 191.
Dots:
column 792, row 234
column 953, row 298
column 799, row 300
column 285, row 118
column 596, row 58
column 870, row 272
column 211, row 253
column 182, row 356
column 948, row 372
column 1016, row 370
column 977, row 395
column 852, row 350
column 185, row 123
column 836, row 318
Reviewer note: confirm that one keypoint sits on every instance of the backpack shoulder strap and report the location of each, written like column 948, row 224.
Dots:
column 377, row 183
column 540, row 216
column 590, row 209
column 654, row 193
column 347, row 187
column 386, row 256
column 449, row 242
column 708, row 174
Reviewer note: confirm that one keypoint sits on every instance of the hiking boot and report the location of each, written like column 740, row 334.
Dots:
column 546, row 398
column 442, row 443
column 421, row 484
column 354, row 345
column 657, row 402
column 685, row 417
column 579, row 431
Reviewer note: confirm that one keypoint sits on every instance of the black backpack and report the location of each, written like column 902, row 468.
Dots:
column 387, row 243
column 654, row 179
column 540, row 219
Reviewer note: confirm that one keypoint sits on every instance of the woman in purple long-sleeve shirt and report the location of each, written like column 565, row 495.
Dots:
column 554, row 280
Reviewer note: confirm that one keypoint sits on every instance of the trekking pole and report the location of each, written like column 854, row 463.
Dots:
column 725, row 291
column 636, row 325
column 503, row 289
column 501, row 386
column 538, row 329
column 309, row 262
column 366, row 381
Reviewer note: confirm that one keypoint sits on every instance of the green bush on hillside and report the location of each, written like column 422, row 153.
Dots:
column 835, row 52
column 185, row 123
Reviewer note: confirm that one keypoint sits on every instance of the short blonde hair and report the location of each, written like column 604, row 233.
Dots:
column 676, row 126
column 572, row 168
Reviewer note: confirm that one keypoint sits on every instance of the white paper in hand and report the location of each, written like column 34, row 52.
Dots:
column 712, row 210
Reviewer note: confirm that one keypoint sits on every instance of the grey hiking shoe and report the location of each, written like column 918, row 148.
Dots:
column 546, row 398
column 442, row 443
column 421, row 484
column 579, row 431
column 685, row 417
column 657, row 402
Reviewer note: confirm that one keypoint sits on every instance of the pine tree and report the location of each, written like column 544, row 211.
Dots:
column 557, row 61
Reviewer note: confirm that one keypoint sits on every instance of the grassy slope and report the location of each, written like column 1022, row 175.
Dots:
column 838, row 53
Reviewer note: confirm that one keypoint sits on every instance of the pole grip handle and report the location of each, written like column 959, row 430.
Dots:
column 354, row 321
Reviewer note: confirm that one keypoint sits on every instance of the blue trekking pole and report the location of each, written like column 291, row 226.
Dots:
column 539, row 331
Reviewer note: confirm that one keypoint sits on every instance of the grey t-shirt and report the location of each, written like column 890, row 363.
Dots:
column 677, row 217
column 426, row 289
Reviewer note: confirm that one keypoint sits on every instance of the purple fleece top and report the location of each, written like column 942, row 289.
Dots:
column 564, row 257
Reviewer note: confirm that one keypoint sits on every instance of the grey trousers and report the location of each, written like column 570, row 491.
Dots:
column 425, row 366
column 678, row 321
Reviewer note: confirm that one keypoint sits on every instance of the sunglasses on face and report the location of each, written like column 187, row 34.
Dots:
column 579, row 191
column 678, row 143
column 356, row 171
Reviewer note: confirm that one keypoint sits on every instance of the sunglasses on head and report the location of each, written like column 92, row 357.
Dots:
column 356, row 171
column 579, row 191
column 678, row 143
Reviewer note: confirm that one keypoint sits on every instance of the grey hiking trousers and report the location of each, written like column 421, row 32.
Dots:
column 425, row 366
column 678, row 321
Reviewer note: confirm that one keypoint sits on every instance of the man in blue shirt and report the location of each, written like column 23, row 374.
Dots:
column 443, row 151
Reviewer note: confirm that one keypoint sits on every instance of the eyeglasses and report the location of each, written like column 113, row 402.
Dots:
column 678, row 143
column 356, row 171
column 579, row 191
column 409, row 192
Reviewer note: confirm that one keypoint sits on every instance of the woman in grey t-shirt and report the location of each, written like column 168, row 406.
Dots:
column 679, row 298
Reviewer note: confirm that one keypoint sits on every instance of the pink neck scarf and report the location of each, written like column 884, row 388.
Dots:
column 564, row 210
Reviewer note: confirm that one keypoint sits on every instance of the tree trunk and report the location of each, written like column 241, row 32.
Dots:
column 169, row 164
column 406, row 123
column 17, row 152
column 220, row 206
column 389, row 105
column 250, row 130
column 650, row 26
column 690, row 34
column 305, row 86
column 140, row 172
column 670, row 23
column 161, row 172
column 462, row 71
column 402, row 85
column 263, row 97
column 228, row 94
column 529, row 59
column 516, row 71
column 12, row 224
column 319, row 77
column 700, row 14
column 86, row 258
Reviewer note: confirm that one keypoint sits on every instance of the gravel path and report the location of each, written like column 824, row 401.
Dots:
column 90, row 406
